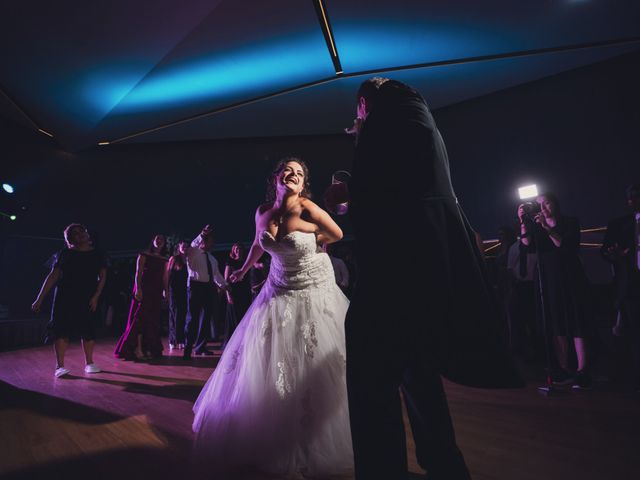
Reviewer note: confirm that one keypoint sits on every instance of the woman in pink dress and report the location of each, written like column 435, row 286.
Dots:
column 141, row 338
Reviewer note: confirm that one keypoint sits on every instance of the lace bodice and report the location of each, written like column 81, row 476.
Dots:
column 296, row 261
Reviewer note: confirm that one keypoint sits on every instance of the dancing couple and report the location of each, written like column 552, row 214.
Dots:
column 290, row 391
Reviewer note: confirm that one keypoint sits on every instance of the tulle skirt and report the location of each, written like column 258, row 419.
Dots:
column 277, row 400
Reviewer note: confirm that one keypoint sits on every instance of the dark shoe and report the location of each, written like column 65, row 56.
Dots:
column 562, row 377
column 582, row 381
column 205, row 353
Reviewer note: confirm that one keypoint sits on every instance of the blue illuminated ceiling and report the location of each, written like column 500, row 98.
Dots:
column 116, row 71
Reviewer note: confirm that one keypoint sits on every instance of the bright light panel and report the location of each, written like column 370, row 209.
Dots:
column 528, row 191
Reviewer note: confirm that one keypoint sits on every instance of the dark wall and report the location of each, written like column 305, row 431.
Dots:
column 127, row 193
column 575, row 133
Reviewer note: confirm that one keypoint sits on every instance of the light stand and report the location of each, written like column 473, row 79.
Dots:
column 533, row 232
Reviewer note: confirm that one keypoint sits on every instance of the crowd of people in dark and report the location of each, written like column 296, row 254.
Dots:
column 167, row 292
column 176, row 290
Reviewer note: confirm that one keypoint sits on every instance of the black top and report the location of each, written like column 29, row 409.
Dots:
column 70, row 315
column 80, row 270
column 178, row 277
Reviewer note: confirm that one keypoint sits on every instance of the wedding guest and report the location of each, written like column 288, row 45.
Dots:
column 569, row 314
column 239, row 294
column 177, row 271
column 141, row 338
column 78, row 275
column 204, row 275
column 621, row 247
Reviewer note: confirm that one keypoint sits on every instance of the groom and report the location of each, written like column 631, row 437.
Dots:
column 441, row 324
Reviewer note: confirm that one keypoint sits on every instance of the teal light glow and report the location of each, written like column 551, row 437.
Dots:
column 103, row 89
column 369, row 46
column 244, row 73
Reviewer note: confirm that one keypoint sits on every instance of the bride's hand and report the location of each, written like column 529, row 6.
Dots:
column 237, row 276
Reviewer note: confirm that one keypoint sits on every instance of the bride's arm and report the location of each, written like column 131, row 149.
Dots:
column 255, row 252
column 328, row 230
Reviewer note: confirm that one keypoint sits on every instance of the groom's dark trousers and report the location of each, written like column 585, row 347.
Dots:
column 383, row 358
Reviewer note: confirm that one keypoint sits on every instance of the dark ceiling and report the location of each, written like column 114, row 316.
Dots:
column 142, row 71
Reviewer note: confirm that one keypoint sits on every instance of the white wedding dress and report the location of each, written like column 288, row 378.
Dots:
column 277, row 400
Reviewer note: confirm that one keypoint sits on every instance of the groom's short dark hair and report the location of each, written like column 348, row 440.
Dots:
column 369, row 90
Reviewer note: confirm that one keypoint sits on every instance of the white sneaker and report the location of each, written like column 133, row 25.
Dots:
column 92, row 368
column 60, row 371
column 172, row 347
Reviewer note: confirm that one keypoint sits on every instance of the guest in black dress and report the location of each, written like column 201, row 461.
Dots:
column 238, row 295
column 79, row 274
column 177, row 269
column 556, row 238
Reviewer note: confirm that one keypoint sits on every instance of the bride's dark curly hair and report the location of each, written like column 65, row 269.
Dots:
column 271, row 181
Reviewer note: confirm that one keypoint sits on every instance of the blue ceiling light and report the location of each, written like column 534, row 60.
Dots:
column 103, row 90
column 7, row 188
column 367, row 46
column 246, row 72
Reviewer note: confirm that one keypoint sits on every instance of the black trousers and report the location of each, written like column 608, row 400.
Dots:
column 178, row 307
column 202, row 299
column 383, row 358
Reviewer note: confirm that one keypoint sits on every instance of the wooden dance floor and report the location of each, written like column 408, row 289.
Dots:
column 133, row 421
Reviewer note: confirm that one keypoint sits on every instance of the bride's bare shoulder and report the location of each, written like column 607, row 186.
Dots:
column 308, row 204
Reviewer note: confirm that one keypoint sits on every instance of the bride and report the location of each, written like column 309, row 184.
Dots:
column 277, row 400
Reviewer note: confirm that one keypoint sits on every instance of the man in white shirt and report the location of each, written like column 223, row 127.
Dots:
column 204, row 275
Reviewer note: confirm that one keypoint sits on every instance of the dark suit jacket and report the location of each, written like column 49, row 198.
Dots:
column 621, row 231
column 401, row 194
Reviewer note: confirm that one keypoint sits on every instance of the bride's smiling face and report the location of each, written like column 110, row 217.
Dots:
column 291, row 178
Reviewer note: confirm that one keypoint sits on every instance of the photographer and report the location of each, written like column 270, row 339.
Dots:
column 556, row 239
